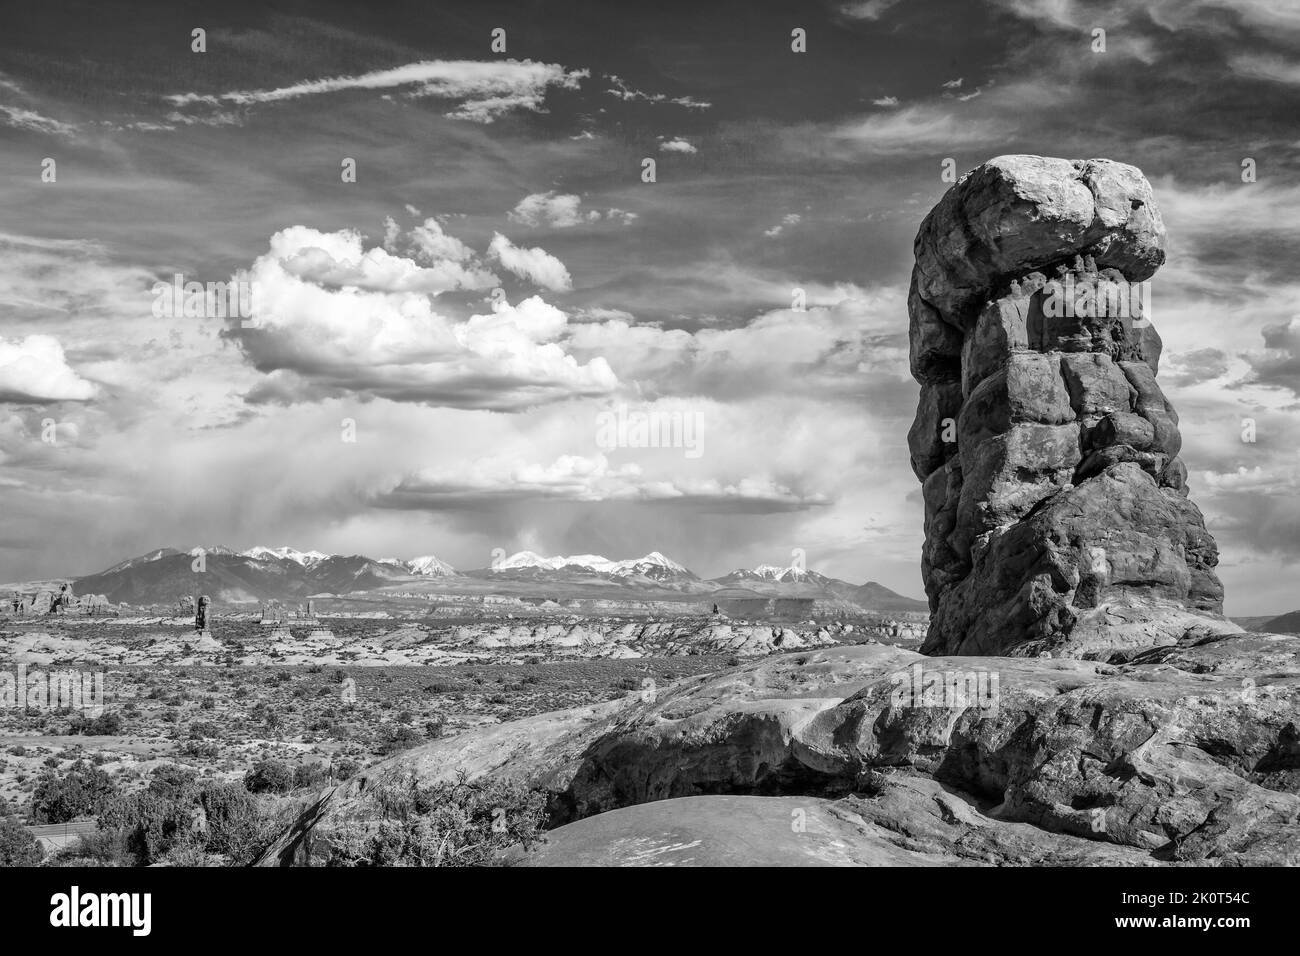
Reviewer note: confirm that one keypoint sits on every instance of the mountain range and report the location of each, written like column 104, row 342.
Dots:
column 261, row 573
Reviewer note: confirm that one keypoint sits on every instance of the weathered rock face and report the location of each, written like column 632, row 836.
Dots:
column 1189, row 753
column 1056, row 509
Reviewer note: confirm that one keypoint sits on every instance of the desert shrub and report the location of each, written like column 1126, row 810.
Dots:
column 308, row 775
column 101, row 848
column 17, row 846
column 189, row 854
column 150, row 823
column 346, row 769
column 105, row 725
column 235, row 826
column 269, row 776
column 441, row 824
column 81, row 791
column 433, row 729
column 199, row 749
column 399, row 739
column 172, row 782
column 207, row 703
column 200, row 729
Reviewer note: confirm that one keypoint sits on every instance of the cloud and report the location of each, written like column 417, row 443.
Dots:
column 486, row 89
column 915, row 128
column 790, row 219
column 1266, row 67
column 1279, row 365
column 676, row 145
column 1192, row 368
column 867, row 9
column 626, row 93
column 535, row 264
column 33, row 369
column 1258, row 507
column 330, row 319
column 886, row 101
column 561, row 211
column 31, row 120
column 585, row 479
column 338, row 259
column 557, row 210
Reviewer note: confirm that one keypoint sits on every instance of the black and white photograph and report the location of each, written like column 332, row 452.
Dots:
column 760, row 435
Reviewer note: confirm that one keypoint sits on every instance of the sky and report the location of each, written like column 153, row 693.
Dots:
column 452, row 352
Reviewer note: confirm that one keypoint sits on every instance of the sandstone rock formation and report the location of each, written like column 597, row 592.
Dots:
column 1056, row 510
column 1189, row 753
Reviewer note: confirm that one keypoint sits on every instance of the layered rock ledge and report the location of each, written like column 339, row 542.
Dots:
column 1189, row 754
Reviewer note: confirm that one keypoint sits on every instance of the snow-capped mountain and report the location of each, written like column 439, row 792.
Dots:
column 654, row 565
column 260, row 573
column 770, row 572
column 305, row 558
column 429, row 565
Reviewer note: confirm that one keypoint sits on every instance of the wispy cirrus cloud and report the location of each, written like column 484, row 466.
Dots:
column 487, row 89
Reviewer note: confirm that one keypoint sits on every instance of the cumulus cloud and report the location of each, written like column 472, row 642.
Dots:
column 557, row 210
column 331, row 318
column 33, row 369
column 486, row 89
column 676, row 145
column 536, row 265
column 339, row 259
column 1279, row 364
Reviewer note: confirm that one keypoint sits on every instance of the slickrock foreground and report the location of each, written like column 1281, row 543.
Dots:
column 1056, row 510
column 1181, row 756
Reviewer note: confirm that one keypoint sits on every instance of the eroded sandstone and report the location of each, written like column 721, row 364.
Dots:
column 1055, row 501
